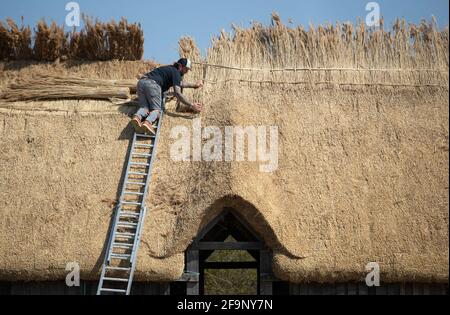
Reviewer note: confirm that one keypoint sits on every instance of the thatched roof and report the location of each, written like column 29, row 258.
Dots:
column 362, row 175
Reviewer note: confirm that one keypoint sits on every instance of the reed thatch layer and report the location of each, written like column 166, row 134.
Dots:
column 362, row 174
column 96, row 41
column 20, row 74
column 45, row 87
column 358, row 181
column 23, row 81
column 44, row 92
column 341, row 45
column 351, row 55
column 112, row 70
column 363, row 121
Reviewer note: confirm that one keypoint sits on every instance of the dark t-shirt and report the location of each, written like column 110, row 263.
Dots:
column 166, row 77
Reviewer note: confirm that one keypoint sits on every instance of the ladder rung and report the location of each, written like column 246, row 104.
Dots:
column 134, row 183
column 131, row 203
column 142, row 154
column 120, row 256
column 119, row 234
column 113, row 290
column 127, row 214
column 133, row 193
column 115, row 279
column 144, row 136
column 123, row 223
column 127, row 225
column 137, row 173
column 118, row 268
column 144, row 145
column 122, row 245
column 139, row 164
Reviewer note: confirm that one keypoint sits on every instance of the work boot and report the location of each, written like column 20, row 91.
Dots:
column 148, row 128
column 137, row 124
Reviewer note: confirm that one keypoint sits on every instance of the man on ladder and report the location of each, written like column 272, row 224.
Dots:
column 151, row 88
column 123, row 244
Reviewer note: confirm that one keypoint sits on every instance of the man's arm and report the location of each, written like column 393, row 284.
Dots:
column 183, row 99
column 197, row 85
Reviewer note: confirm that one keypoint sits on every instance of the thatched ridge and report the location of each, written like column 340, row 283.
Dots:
column 363, row 161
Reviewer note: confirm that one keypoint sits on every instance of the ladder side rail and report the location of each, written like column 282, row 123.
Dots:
column 114, row 228
column 147, row 183
column 152, row 158
column 135, row 250
column 143, row 212
column 107, row 254
column 112, row 233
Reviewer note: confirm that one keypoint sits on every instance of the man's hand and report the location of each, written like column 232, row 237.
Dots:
column 197, row 107
column 199, row 84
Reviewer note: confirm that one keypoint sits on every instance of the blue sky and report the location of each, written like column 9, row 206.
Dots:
column 165, row 21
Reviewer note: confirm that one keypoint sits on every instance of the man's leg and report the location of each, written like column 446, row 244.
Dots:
column 157, row 108
column 144, row 104
column 142, row 113
column 153, row 116
column 153, row 96
column 143, row 110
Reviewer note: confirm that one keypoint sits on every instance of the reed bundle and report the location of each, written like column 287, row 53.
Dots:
column 15, row 42
column 96, row 41
column 54, row 87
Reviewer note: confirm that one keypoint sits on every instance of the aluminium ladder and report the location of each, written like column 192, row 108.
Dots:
column 125, row 234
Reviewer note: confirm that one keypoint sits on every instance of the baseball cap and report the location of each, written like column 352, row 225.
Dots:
column 185, row 62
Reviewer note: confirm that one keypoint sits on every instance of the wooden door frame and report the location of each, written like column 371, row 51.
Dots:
column 195, row 266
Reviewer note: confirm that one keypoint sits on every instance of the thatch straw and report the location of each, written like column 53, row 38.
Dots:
column 363, row 128
column 187, row 48
column 46, row 92
column 54, row 87
column 62, row 80
column 96, row 41
column 107, row 41
column 122, row 73
column 15, row 42
column 50, row 42
column 340, row 54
